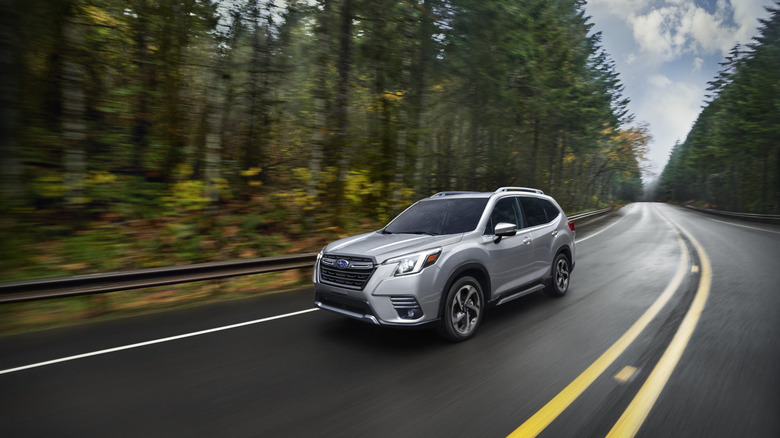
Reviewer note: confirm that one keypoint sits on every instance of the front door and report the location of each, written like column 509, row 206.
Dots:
column 510, row 258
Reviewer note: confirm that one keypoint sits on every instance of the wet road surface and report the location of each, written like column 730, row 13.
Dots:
column 648, row 277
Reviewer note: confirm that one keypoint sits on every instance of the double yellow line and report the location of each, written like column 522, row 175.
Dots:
column 636, row 413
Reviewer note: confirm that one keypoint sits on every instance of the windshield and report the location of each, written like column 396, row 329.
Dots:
column 439, row 216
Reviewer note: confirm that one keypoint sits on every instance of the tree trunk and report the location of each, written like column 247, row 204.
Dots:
column 11, row 189
column 534, row 153
column 251, row 156
column 214, row 136
column 320, row 132
column 141, row 124
column 73, row 126
column 265, row 92
column 423, row 154
column 341, row 141
column 175, row 39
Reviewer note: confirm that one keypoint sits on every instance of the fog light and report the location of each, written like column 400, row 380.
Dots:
column 413, row 313
column 407, row 307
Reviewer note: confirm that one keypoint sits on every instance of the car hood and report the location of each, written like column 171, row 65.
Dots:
column 386, row 246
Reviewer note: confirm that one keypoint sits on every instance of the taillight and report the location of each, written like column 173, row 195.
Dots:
column 571, row 225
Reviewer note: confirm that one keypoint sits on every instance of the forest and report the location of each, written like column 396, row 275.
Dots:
column 140, row 133
column 730, row 159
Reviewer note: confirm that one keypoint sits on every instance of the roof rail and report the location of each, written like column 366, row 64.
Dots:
column 519, row 189
column 441, row 194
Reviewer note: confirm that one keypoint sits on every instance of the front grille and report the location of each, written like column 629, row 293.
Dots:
column 346, row 271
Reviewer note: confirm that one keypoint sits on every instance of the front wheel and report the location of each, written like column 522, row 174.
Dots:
column 561, row 271
column 463, row 308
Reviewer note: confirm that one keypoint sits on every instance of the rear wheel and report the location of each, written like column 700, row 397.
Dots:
column 561, row 271
column 463, row 310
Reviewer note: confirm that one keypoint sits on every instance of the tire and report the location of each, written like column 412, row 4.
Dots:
column 464, row 307
column 559, row 277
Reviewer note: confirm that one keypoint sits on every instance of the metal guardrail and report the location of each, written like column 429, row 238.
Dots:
column 766, row 218
column 58, row 287
column 588, row 214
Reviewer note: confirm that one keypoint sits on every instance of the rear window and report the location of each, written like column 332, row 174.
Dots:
column 439, row 216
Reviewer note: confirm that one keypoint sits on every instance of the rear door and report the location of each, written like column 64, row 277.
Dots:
column 541, row 219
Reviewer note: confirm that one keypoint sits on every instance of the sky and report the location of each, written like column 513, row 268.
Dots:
column 666, row 51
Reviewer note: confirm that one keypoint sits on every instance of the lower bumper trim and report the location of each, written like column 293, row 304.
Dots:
column 363, row 317
column 373, row 319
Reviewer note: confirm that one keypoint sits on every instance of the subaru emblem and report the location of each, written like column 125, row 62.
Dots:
column 342, row 264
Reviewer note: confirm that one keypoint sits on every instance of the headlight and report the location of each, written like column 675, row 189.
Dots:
column 414, row 263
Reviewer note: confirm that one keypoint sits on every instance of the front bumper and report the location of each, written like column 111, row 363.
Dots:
column 381, row 301
column 361, row 311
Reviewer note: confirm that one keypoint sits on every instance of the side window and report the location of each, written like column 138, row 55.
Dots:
column 550, row 210
column 504, row 211
column 534, row 211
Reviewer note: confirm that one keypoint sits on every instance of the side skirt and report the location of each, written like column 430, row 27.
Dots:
column 520, row 293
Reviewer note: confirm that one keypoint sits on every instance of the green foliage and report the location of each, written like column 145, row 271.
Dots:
column 187, row 195
column 99, row 251
column 731, row 157
column 49, row 185
column 359, row 186
column 209, row 131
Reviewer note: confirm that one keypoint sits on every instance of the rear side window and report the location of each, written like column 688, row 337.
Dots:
column 538, row 211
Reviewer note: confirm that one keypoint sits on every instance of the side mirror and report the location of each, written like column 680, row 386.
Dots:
column 504, row 229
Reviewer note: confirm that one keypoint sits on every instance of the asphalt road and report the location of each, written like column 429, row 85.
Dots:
column 671, row 326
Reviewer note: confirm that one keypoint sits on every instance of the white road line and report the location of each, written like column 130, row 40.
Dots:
column 601, row 230
column 745, row 226
column 155, row 341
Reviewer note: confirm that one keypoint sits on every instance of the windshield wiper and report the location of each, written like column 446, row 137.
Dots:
column 427, row 233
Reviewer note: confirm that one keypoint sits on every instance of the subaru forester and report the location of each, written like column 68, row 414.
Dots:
column 446, row 258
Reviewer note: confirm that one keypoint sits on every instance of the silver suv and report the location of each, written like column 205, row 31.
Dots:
column 446, row 258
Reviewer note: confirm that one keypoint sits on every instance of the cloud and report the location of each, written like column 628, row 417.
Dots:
column 669, row 32
column 623, row 8
column 697, row 63
column 746, row 11
column 671, row 108
column 651, row 32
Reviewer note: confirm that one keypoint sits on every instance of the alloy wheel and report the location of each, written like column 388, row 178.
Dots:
column 465, row 310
